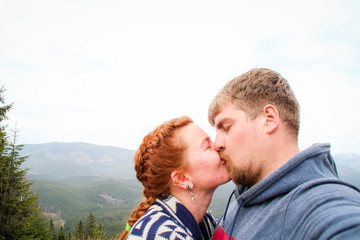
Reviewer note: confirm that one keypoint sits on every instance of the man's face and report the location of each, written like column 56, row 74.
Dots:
column 238, row 140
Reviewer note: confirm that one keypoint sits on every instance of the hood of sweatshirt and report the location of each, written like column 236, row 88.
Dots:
column 313, row 163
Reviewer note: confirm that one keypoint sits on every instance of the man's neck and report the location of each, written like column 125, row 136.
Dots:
column 280, row 153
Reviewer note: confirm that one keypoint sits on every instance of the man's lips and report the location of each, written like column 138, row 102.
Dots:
column 223, row 158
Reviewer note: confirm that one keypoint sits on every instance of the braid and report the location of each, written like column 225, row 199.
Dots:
column 160, row 153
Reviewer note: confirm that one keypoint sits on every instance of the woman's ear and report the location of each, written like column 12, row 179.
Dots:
column 272, row 118
column 181, row 180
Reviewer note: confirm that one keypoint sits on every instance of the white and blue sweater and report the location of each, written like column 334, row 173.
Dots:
column 168, row 218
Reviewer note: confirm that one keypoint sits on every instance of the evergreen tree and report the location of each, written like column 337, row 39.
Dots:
column 52, row 230
column 5, row 229
column 20, row 216
column 3, row 111
column 93, row 230
column 69, row 236
column 90, row 227
column 79, row 231
column 100, row 234
column 61, row 233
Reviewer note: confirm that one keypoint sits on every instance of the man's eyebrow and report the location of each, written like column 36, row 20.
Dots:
column 220, row 124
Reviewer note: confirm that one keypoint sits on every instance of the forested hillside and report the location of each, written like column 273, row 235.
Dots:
column 109, row 199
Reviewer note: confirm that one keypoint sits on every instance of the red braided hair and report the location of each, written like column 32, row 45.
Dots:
column 160, row 153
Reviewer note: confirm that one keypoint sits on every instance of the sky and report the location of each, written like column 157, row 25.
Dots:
column 108, row 72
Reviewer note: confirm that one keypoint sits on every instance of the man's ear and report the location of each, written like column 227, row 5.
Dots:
column 181, row 180
column 272, row 118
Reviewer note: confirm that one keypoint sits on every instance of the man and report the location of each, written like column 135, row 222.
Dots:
column 281, row 193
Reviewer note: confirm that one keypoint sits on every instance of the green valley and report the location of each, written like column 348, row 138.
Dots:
column 111, row 200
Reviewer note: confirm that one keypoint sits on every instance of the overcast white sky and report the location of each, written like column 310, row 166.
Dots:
column 108, row 72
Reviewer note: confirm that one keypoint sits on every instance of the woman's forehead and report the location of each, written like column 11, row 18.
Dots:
column 195, row 135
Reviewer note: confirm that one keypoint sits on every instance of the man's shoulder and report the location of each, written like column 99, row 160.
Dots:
column 329, row 188
column 321, row 194
column 324, row 208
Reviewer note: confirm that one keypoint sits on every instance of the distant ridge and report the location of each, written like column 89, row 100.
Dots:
column 58, row 160
column 348, row 166
column 62, row 160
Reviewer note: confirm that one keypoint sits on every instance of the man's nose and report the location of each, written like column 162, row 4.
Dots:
column 219, row 142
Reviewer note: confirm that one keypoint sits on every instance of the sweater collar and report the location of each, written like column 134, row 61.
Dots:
column 176, row 209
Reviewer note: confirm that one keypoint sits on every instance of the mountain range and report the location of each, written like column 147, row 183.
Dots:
column 63, row 160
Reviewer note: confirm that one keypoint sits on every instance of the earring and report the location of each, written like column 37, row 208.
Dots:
column 191, row 192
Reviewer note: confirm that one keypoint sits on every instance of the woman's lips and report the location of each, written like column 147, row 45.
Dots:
column 223, row 157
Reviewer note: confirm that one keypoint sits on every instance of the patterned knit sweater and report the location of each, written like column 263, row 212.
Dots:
column 168, row 218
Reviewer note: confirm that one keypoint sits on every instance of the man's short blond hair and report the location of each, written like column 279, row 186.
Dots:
column 252, row 91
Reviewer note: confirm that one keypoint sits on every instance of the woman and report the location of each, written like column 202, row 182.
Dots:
column 180, row 170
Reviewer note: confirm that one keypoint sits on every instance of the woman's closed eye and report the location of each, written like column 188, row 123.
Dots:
column 210, row 144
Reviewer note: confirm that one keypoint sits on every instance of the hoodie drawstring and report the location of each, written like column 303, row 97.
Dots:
column 236, row 216
column 227, row 205
column 223, row 216
column 226, row 209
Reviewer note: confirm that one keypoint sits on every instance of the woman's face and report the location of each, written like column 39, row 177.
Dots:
column 205, row 168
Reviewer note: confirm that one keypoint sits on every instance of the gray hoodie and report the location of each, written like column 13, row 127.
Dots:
column 303, row 199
